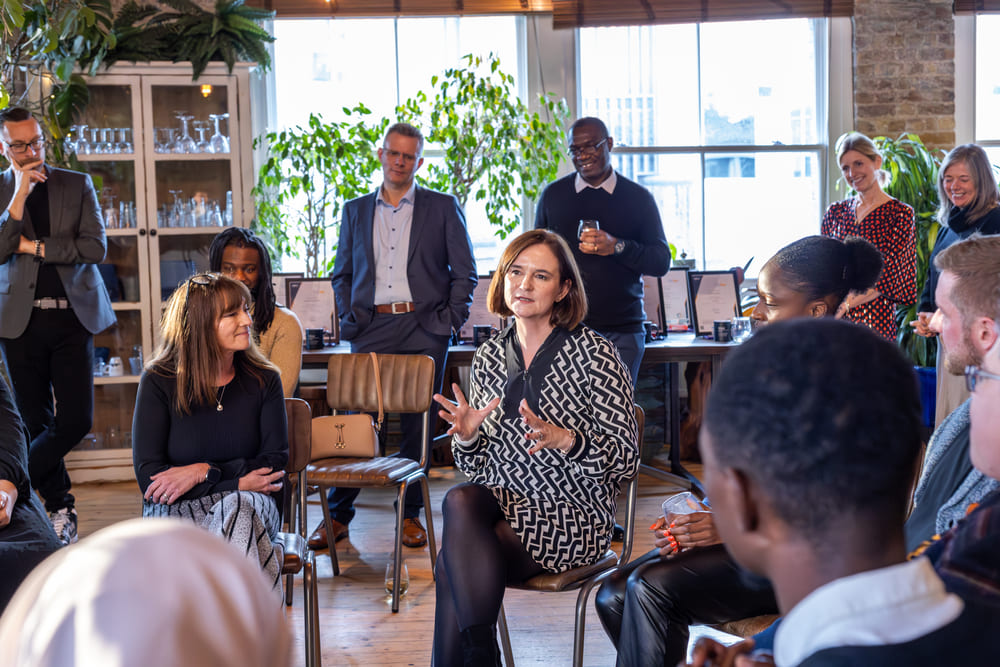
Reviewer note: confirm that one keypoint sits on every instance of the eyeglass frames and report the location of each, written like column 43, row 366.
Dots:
column 973, row 375
column 22, row 147
column 393, row 155
column 577, row 151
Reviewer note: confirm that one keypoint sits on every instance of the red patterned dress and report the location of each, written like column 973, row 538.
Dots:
column 890, row 228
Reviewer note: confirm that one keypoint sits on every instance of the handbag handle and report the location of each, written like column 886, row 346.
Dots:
column 378, row 391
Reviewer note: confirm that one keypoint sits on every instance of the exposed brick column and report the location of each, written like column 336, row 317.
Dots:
column 904, row 69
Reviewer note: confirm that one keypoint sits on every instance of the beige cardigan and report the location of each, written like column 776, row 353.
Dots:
column 282, row 344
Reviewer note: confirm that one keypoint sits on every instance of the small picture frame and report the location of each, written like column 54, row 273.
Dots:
column 715, row 295
column 313, row 302
column 676, row 300
column 278, row 281
column 479, row 312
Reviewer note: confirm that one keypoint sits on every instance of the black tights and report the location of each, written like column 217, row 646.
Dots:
column 480, row 555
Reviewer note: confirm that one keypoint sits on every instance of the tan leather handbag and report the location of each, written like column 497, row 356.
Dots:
column 352, row 436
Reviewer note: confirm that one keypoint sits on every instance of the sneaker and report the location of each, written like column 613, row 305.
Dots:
column 64, row 523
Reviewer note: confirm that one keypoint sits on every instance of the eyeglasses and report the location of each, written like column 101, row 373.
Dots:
column 576, row 151
column 395, row 155
column 973, row 374
column 21, row 147
column 203, row 279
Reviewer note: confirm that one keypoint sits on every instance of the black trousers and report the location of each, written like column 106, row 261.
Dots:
column 646, row 607
column 397, row 334
column 53, row 358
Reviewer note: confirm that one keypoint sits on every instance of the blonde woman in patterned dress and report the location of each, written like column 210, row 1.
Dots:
column 886, row 223
column 546, row 437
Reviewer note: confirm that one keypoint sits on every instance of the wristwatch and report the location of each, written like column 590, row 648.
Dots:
column 213, row 475
column 619, row 247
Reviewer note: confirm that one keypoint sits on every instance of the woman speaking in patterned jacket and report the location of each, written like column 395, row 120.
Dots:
column 547, row 436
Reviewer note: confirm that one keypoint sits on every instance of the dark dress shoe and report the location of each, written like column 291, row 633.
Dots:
column 317, row 541
column 414, row 535
column 618, row 534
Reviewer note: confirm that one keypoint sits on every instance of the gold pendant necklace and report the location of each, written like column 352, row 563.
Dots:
column 218, row 400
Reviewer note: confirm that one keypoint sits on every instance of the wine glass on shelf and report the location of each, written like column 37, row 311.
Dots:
column 220, row 142
column 107, row 140
column 175, row 217
column 125, row 140
column 95, row 143
column 201, row 127
column 185, row 144
column 81, row 145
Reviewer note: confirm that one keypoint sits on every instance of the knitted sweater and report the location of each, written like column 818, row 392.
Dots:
column 282, row 345
column 613, row 283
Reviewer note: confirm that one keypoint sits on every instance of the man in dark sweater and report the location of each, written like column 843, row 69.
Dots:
column 809, row 464
column 629, row 243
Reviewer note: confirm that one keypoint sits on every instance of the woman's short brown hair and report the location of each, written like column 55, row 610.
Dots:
column 569, row 311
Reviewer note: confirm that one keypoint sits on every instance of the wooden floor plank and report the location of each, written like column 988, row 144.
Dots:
column 357, row 624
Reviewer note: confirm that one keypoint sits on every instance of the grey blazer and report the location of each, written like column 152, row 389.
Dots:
column 76, row 244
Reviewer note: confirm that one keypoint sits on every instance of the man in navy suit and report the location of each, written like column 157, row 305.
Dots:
column 403, row 280
column 52, row 302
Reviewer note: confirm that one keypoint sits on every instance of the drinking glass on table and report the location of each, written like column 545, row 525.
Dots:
column 585, row 225
column 742, row 328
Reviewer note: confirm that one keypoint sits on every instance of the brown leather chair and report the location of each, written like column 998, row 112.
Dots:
column 581, row 578
column 295, row 554
column 407, row 386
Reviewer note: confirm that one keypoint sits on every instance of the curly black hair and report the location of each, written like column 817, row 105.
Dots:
column 825, row 416
column 263, row 294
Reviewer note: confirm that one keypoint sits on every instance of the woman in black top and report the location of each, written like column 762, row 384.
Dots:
column 209, row 434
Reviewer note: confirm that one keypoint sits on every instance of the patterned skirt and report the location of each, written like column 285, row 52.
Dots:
column 246, row 519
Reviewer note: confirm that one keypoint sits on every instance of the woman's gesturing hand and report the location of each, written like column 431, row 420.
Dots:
column 464, row 419
column 262, row 480
column 544, row 434
column 168, row 486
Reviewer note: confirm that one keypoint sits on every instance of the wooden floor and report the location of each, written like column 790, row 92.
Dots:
column 357, row 624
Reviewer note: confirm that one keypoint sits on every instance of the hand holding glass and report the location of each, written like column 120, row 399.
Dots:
column 585, row 225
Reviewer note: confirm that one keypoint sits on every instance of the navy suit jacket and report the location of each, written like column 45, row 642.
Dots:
column 440, row 266
column 76, row 244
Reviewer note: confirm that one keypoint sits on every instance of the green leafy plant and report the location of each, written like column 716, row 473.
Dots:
column 496, row 149
column 229, row 34
column 913, row 171
column 309, row 173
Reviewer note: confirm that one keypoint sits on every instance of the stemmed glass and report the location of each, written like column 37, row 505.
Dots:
column 176, row 219
column 82, row 146
column 220, row 142
column 125, row 140
column 201, row 126
column 185, row 144
column 95, row 144
column 107, row 140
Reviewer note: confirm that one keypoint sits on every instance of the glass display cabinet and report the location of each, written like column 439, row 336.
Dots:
column 170, row 159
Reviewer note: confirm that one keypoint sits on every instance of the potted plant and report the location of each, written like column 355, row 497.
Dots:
column 496, row 149
column 308, row 175
column 913, row 172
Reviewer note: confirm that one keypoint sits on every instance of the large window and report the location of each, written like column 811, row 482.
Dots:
column 325, row 65
column 723, row 122
column 987, row 118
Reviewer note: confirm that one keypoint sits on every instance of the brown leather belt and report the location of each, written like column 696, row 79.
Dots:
column 398, row 308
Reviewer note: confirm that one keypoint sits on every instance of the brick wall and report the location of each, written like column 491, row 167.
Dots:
column 904, row 69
